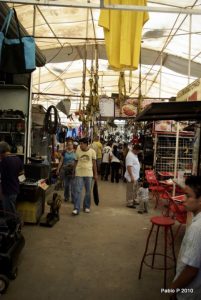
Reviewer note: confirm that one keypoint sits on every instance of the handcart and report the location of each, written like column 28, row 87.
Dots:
column 11, row 243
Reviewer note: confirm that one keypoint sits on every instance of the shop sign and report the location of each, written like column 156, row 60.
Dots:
column 106, row 106
column 163, row 126
column 191, row 92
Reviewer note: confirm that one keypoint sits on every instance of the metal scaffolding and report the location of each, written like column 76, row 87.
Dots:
column 101, row 5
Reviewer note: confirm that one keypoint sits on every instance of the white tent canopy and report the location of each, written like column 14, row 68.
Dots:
column 67, row 33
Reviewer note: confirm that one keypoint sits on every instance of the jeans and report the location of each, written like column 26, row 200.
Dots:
column 9, row 203
column 79, row 183
column 69, row 187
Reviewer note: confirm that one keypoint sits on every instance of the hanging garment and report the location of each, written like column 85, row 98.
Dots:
column 62, row 135
column 122, row 31
column 80, row 131
column 74, row 133
column 69, row 133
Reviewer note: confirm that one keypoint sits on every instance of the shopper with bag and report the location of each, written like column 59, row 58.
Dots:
column 66, row 169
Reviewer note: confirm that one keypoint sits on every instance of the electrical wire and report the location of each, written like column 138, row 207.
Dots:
column 59, row 51
column 169, row 38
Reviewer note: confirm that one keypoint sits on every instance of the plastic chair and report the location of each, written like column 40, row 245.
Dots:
column 154, row 186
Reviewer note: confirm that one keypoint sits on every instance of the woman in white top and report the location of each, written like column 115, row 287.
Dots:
column 115, row 164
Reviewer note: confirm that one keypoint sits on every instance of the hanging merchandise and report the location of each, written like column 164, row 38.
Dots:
column 64, row 106
column 80, row 131
column 122, row 91
column 51, row 120
column 17, row 54
column 122, row 31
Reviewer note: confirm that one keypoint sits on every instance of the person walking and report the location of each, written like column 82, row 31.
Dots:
column 67, row 167
column 85, row 171
column 105, row 164
column 115, row 164
column 132, row 175
column 187, row 282
column 10, row 168
column 98, row 147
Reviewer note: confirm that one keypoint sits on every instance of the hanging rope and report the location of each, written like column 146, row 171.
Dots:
column 122, row 91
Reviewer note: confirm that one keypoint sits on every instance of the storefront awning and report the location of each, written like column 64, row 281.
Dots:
column 178, row 111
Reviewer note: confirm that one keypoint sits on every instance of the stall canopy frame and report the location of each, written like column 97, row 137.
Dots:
column 178, row 111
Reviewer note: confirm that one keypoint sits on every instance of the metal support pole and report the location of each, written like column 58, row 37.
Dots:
column 161, row 65
column 29, row 117
column 199, row 153
column 176, row 158
column 189, row 48
column 155, row 151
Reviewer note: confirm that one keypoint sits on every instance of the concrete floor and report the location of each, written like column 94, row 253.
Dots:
column 92, row 256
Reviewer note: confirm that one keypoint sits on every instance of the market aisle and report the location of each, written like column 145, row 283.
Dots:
column 88, row 257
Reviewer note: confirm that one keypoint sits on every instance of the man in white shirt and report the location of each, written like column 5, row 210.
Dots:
column 132, row 175
column 187, row 282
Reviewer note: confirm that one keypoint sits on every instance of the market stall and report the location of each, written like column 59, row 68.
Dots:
column 178, row 111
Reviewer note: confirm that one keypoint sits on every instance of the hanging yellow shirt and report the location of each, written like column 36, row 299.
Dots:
column 122, row 31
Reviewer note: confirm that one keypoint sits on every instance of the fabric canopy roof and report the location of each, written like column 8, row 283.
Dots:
column 170, row 55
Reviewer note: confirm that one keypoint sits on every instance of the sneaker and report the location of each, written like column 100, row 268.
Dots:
column 75, row 212
column 87, row 210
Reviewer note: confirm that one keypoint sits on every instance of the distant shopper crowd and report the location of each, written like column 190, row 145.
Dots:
column 81, row 162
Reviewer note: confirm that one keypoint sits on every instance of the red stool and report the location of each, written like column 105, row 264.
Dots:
column 166, row 223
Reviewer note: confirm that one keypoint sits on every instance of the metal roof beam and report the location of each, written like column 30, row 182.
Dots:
column 100, row 5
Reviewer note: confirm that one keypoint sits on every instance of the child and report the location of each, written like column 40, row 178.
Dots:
column 143, row 197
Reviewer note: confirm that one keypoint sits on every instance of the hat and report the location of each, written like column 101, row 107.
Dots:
column 84, row 140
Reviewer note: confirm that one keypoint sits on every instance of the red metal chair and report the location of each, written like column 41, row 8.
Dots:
column 176, row 210
column 154, row 186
